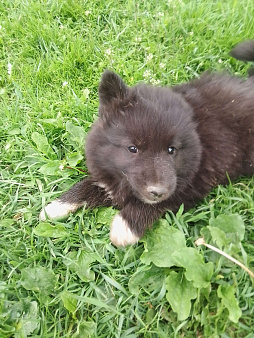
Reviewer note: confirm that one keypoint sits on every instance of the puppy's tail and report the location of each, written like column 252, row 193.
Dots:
column 244, row 51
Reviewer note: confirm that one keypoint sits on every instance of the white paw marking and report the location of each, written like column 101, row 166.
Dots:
column 57, row 210
column 120, row 233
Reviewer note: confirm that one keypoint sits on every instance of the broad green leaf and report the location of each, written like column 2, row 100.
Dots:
column 150, row 278
column 74, row 158
column 57, row 123
column 42, row 144
column 38, row 279
column 231, row 225
column 29, row 321
column 179, row 294
column 86, row 329
column 105, row 215
column 70, row 303
column 76, row 133
column 48, row 230
column 161, row 243
column 51, row 168
column 218, row 236
column 79, row 262
column 19, row 317
column 227, row 294
column 196, row 270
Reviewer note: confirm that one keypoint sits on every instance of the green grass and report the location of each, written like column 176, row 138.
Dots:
column 66, row 279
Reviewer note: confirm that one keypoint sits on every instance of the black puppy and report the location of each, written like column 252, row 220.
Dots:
column 153, row 148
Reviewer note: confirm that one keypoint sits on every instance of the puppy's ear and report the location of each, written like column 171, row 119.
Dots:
column 111, row 88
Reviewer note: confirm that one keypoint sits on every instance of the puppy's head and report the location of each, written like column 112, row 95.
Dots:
column 145, row 140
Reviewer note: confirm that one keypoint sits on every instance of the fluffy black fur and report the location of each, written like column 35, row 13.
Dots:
column 153, row 149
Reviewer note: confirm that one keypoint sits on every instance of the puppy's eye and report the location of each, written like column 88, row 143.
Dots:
column 133, row 149
column 171, row 150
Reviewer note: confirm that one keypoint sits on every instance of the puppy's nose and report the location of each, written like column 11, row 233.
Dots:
column 156, row 191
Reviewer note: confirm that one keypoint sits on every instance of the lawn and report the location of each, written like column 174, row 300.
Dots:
column 65, row 279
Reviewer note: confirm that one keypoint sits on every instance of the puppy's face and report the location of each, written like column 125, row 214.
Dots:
column 145, row 139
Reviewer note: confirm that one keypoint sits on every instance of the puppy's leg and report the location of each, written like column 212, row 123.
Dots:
column 131, row 223
column 83, row 193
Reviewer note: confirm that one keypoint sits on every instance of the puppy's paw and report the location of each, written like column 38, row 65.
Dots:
column 57, row 210
column 120, row 233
